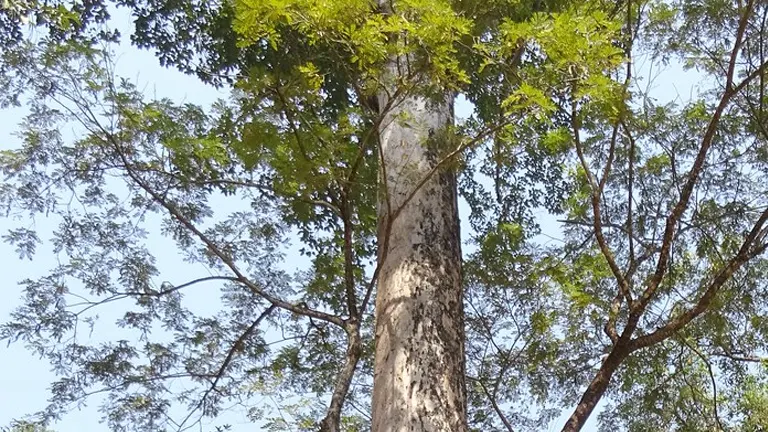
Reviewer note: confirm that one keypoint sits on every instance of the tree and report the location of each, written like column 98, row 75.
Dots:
column 419, row 359
column 412, row 88
column 660, row 267
column 61, row 21
column 664, row 193
column 292, row 99
column 24, row 427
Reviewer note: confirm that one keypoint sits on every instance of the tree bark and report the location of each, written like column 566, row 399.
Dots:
column 597, row 387
column 419, row 360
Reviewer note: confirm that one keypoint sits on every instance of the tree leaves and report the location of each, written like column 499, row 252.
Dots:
column 560, row 125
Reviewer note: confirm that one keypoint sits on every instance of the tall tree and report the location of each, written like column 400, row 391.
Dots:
column 340, row 134
column 418, row 381
column 666, row 224
column 303, row 124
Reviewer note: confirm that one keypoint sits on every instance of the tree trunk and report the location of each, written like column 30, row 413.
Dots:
column 419, row 361
column 597, row 387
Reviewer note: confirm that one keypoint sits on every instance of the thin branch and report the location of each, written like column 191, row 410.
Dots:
column 741, row 357
column 175, row 288
column 595, row 200
column 630, row 198
column 607, row 224
column 237, row 346
column 246, row 184
column 349, row 276
column 92, row 121
column 496, row 406
column 127, row 294
column 711, row 377
column 749, row 249
column 366, row 415
column 444, row 161
column 372, row 131
column 226, row 259
column 743, row 21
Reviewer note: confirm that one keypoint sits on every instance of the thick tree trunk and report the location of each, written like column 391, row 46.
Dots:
column 419, row 361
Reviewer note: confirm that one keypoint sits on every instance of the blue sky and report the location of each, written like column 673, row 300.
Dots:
column 24, row 378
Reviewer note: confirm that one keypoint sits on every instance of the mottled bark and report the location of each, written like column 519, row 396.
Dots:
column 419, row 360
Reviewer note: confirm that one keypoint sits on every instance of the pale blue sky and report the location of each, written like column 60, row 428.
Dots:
column 23, row 377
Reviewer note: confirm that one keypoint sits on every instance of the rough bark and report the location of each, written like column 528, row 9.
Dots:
column 419, row 360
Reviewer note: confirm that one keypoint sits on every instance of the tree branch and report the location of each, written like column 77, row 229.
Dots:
column 331, row 422
column 597, row 190
column 226, row 259
column 236, row 347
column 749, row 249
column 349, row 276
column 712, row 379
column 496, row 407
column 693, row 177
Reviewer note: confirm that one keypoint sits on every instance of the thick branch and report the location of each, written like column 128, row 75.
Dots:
column 596, row 388
column 344, row 379
column 623, row 346
column 226, row 259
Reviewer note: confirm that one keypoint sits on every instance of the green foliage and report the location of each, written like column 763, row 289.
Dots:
column 289, row 163
column 357, row 32
column 23, row 426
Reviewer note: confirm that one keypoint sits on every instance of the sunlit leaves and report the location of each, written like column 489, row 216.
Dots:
column 578, row 53
column 423, row 31
column 294, row 150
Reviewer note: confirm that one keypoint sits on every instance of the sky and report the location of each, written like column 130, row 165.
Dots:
column 24, row 378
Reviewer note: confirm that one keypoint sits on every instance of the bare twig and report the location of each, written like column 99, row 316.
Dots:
column 711, row 377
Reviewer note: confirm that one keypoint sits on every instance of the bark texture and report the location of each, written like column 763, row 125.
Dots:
column 597, row 388
column 419, row 360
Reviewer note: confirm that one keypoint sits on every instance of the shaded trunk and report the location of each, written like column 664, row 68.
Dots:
column 419, row 360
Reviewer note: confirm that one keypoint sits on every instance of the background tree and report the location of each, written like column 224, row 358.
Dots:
column 666, row 226
column 24, row 427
